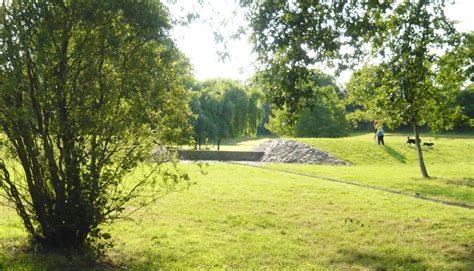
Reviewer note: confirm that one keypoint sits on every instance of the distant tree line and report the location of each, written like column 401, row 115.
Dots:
column 230, row 109
column 225, row 108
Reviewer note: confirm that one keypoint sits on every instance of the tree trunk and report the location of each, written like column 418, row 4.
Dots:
column 219, row 143
column 424, row 172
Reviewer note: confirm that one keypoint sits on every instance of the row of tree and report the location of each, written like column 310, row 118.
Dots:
column 229, row 109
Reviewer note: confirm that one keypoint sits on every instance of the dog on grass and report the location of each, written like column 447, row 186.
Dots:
column 429, row 145
column 410, row 141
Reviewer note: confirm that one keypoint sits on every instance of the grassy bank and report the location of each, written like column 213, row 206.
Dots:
column 363, row 150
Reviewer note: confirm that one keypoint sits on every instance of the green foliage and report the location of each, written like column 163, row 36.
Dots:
column 290, row 37
column 278, row 124
column 84, row 88
column 469, row 51
column 322, row 116
column 224, row 108
column 411, row 71
column 326, row 119
column 412, row 85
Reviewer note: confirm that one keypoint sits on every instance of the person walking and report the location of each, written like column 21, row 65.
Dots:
column 374, row 128
column 380, row 135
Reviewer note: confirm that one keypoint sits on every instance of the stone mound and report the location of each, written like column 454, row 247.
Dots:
column 289, row 151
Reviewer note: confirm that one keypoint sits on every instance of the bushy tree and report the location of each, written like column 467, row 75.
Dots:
column 290, row 37
column 326, row 119
column 84, row 88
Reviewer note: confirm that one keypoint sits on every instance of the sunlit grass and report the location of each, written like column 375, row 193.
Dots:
column 450, row 163
column 363, row 150
column 453, row 183
column 238, row 217
column 249, row 218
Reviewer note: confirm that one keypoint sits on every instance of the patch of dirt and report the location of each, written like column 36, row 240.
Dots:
column 289, row 151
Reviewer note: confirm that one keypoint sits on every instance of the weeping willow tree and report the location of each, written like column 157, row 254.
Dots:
column 224, row 109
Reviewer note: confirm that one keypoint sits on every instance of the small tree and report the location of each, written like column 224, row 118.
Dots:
column 84, row 87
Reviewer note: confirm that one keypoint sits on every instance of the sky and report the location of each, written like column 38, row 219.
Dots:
column 197, row 41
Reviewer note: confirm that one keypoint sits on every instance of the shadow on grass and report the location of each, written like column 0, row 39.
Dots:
column 26, row 258
column 466, row 181
column 153, row 261
column 398, row 156
column 444, row 135
column 374, row 261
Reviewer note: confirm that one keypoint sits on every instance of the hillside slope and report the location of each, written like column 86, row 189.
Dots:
column 363, row 150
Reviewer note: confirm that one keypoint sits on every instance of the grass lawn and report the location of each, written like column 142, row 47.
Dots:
column 238, row 217
column 450, row 164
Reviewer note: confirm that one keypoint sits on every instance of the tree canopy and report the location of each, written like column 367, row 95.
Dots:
column 290, row 37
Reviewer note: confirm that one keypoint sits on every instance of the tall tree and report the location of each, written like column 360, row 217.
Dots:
column 289, row 36
column 407, row 89
column 84, row 87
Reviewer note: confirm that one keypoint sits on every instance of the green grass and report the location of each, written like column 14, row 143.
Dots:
column 450, row 163
column 246, row 218
column 453, row 186
column 362, row 150
column 238, row 217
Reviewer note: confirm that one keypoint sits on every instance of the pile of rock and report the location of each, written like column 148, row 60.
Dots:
column 290, row 151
